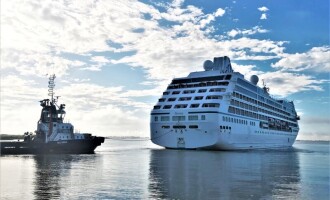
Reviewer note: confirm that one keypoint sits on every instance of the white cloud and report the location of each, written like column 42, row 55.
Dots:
column 233, row 33
column 246, row 32
column 263, row 16
column 263, row 9
column 281, row 84
column 177, row 3
column 317, row 59
column 220, row 12
column 285, row 83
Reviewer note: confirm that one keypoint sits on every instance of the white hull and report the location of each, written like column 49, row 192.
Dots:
column 210, row 136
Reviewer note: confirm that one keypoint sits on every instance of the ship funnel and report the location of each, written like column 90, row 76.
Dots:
column 222, row 64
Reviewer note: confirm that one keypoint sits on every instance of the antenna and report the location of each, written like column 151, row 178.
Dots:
column 266, row 89
column 51, row 86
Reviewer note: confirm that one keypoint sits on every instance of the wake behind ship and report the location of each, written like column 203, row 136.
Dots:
column 218, row 109
column 53, row 135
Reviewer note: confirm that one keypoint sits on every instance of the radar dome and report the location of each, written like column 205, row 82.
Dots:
column 254, row 79
column 208, row 65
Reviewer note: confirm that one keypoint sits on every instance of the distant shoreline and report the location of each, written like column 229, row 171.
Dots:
column 11, row 137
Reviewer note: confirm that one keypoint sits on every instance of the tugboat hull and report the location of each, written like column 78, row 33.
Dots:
column 85, row 146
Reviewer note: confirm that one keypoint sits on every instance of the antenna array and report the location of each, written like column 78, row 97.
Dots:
column 51, row 85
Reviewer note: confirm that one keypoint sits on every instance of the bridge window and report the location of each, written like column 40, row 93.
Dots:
column 167, row 107
column 211, row 105
column 194, row 105
column 181, row 106
column 184, row 98
column 156, row 107
column 198, row 98
column 188, row 91
column 217, row 89
column 214, row 97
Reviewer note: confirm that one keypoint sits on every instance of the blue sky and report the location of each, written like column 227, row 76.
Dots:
column 113, row 59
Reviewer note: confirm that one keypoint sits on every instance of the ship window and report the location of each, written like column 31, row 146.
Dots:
column 193, row 126
column 223, row 83
column 178, row 118
column 194, row 105
column 179, row 126
column 166, row 93
column 171, row 99
column 217, row 89
column 162, row 99
column 166, row 127
column 181, row 106
column 188, row 91
column 211, row 105
column 198, row 98
column 228, row 77
column 184, row 98
column 201, row 90
column 164, row 118
column 156, row 119
column 167, row 106
column 203, row 117
column 214, row 97
column 176, row 92
column 156, row 107
column 192, row 117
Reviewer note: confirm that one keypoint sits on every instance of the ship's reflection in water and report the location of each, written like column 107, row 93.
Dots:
column 224, row 175
column 60, row 175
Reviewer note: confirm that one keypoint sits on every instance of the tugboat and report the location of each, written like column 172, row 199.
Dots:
column 53, row 135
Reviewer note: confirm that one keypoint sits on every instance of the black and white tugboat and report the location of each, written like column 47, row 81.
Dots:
column 53, row 135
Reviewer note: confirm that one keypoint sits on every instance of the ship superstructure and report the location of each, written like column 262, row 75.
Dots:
column 218, row 109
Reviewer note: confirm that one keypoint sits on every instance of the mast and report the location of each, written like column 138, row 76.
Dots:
column 51, row 86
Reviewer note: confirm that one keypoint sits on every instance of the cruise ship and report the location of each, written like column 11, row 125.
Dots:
column 218, row 109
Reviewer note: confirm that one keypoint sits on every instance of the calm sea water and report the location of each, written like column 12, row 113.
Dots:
column 141, row 170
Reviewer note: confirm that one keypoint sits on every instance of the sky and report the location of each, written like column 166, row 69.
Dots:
column 113, row 59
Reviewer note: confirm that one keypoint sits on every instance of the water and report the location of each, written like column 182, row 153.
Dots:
column 141, row 170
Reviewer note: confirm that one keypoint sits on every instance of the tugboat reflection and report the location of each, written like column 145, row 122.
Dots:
column 177, row 174
column 57, row 173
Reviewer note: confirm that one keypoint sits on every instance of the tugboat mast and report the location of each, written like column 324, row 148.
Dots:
column 51, row 85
